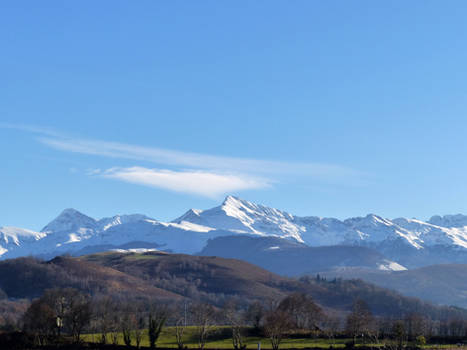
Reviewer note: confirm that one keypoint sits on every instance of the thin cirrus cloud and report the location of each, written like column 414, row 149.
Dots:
column 202, row 183
column 208, row 175
column 330, row 172
column 193, row 173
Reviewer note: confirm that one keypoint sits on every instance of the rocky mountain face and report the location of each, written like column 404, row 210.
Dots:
column 401, row 242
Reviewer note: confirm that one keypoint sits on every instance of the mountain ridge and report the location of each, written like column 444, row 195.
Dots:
column 409, row 242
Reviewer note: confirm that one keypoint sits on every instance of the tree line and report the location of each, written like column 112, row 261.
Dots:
column 69, row 313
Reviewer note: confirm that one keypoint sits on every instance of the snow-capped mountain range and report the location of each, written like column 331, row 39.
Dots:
column 406, row 241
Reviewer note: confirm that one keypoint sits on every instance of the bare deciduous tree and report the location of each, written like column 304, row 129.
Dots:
column 179, row 318
column 359, row 321
column 331, row 325
column 254, row 314
column 399, row 334
column 138, row 330
column 156, row 321
column 79, row 312
column 203, row 318
column 128, row 323
column 40, row 320
column 60, row 309
column 305, row 314
column 276, row 323
column 236, row 321
column 104, row 308
column 180, row 327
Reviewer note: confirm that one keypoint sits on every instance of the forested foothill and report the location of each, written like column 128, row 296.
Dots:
column 154, row 299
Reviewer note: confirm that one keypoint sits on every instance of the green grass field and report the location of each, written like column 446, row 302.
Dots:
column 220, row 339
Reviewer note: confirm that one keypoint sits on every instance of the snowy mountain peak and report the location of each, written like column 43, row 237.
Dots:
column 234, row 205
column 231, row 198
column 238, row 208
column 69, row 220
column 235, row 201
column 241, row 216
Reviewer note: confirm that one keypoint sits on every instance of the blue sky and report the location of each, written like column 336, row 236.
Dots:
column 329, row 108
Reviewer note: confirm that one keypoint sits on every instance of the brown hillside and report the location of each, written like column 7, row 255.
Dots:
column 27, row 277
column 209, row 279
column 186, row 274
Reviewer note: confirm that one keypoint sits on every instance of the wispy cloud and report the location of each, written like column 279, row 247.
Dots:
column 202, row 183
column 32, row 129
column 196, row 160
column 194, row 173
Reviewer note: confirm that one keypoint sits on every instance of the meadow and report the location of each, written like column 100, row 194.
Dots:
column 220, row 338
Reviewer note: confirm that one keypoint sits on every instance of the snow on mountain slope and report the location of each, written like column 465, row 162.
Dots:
column 241, row 216
column 391, row 266
column 431, row 235
column 326, row 231
column 73, row 231
column 375, row 229
column 180, row 238
column 13, row 237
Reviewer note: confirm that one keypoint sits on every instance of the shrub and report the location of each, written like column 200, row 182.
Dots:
column 420, row 340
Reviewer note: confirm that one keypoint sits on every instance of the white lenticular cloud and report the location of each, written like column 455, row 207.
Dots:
column 202, row 183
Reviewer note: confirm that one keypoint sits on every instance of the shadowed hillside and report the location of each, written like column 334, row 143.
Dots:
column 215, row 278
column 210, row 279
column 291, row 258
column 29, row 278
column 443, row 284
column 196, row 276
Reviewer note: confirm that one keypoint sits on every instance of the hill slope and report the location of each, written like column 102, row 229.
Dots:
column 29, row 278
column 210, row 279
column 214, row 279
